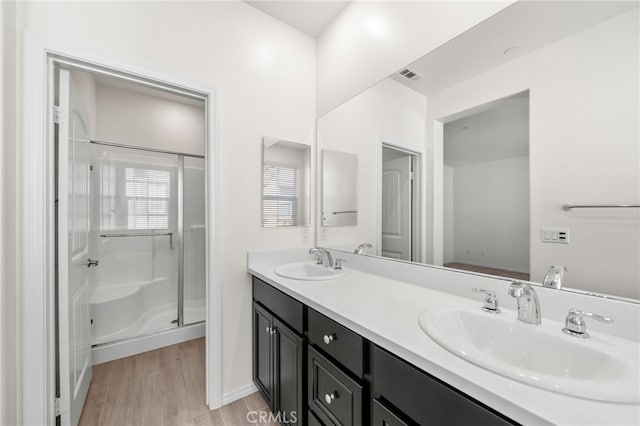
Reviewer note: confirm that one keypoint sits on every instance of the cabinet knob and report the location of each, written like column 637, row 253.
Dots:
column 268, row 329
column 329, row 397
column 328, row 338
column 273, row 331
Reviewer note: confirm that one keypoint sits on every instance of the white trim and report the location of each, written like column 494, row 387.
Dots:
column 38, row 239
column 238, row 393
column 419, row 194
column 125, row 348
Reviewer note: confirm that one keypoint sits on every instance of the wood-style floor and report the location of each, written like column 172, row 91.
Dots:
column 164, row 387
column 490, row 271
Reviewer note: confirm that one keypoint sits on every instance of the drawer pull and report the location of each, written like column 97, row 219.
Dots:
column 328, row 338
column 273, row 331
column 330, row 397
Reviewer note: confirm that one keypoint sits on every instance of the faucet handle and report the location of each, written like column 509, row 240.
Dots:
column 490, row 301
column 577, row 327
column 338, row 263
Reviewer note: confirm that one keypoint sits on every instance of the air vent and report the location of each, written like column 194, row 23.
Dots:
column 410, row 74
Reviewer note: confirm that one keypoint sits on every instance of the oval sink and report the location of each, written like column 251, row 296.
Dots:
column 308, row 272
column 541, row 356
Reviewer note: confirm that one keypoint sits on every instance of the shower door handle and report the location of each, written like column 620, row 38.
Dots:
column 91, row 263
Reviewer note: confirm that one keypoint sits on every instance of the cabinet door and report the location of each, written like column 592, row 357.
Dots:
column 263, row 352
column 288, row 374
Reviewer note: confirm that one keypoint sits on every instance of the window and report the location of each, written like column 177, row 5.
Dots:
column 280, row 195
column 147, row 193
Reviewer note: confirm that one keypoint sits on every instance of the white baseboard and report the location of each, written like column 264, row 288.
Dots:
column 238, row 393
column 122, row 349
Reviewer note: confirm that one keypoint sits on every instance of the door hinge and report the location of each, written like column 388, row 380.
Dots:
column 57, row 113
column 61, row 406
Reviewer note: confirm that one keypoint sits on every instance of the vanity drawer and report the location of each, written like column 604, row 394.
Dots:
column 285, row 307
column 383, row 416
column 425, row 399
column 333, row 396
column 338, row 341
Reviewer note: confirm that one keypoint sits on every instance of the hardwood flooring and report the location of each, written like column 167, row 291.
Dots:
column 490, row 271
column 164, row 387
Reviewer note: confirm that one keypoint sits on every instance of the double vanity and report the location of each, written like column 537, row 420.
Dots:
column 391, row 343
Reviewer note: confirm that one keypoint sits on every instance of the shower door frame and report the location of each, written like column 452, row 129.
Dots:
column 38, row 238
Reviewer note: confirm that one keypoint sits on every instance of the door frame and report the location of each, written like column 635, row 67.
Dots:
column 418, row 237
column 38, row 239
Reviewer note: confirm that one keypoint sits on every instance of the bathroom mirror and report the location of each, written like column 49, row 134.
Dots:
column 286, row 194
column 339, row 183
column 572, row 70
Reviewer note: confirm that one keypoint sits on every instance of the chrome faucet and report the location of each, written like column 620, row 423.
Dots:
column 575, row 325
column 528, row 303
column 554, row 277
column 361, row 249
column 325, row 255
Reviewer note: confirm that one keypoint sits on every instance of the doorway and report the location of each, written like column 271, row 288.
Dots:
column 42, row 60
column 399, row 204
column 130, row 224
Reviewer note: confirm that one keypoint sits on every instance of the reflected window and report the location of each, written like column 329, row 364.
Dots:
column 280, row 195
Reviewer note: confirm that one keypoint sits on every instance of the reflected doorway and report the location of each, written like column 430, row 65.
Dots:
column 399, row 204
column 486, row 189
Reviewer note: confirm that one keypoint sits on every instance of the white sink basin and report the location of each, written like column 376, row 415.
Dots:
column 540, row 356
column 308, row 272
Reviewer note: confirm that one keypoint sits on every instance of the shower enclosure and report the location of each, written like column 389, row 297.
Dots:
column 148, row 235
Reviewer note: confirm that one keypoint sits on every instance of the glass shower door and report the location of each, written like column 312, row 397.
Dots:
column 194, row 239
column 134, row 233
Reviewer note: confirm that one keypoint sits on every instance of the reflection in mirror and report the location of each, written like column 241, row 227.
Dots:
column 339, row 181
column 486, row 189
column 399, row 202
column 286, row 183
column 575, row 77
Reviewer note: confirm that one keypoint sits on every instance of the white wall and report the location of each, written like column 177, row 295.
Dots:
column 584, row 109
column 491, row 214
column 138, row 119
column 228, row 45
column 388, row 112
column 370, row 40
column 10, row 199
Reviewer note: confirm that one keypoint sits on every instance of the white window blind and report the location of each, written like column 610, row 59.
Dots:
column 147, row 193
column 280, row 195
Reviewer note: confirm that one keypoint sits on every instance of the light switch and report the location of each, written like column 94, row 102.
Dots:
column 560, row 236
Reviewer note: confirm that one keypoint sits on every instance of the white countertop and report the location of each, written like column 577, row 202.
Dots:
column 385, row 311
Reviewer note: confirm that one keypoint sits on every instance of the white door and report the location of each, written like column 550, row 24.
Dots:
column 73, row 251
column 396, row 208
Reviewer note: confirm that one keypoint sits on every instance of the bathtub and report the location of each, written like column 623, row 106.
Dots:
column 123, row 314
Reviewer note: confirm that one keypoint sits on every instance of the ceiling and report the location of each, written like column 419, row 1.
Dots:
column 310, row 17
column 495, row 132
column 524, row 27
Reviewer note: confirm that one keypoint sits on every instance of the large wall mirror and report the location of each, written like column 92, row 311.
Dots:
column 286, row 187
column 522, row 141
column 339, row 188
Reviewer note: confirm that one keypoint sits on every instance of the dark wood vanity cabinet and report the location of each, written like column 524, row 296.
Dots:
column 314, row 370
column 384, row 416
column 278, row 354
column 424, row 399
